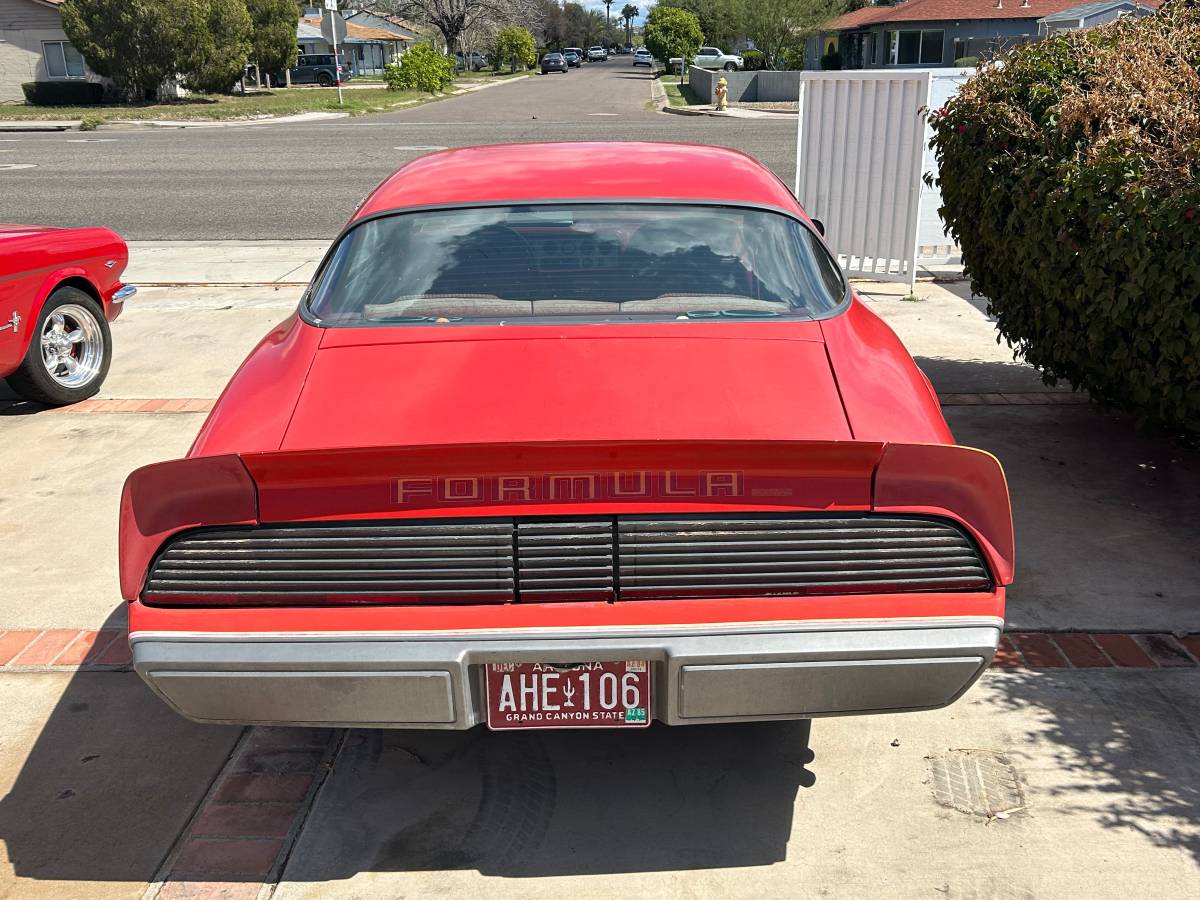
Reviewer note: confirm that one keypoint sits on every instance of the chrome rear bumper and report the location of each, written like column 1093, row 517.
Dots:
column 701, row 675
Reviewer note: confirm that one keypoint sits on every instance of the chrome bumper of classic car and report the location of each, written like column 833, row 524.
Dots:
column 701, row 675
column 124, row 293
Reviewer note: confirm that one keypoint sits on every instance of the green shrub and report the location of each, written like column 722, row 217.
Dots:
column 967, row 62
column 754, row 60
column 792, row 59
column 421, row 68
column 515, row 49
column 1070, row 177
column 91, row 121
column 831, row 61
column 62, row 93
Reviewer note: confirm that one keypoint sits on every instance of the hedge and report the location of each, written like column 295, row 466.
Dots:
column 1069, row 178
column 62, row 93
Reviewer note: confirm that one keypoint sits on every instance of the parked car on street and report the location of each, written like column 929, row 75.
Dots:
column 554, row 62
column 642, row 57
column 59, row 289
column 612, row 449
column 318, row 68
column 475, row 60
column 574, row 57
column 597, row 54
column 714, row 58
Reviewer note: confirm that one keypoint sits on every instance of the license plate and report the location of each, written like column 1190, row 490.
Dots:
column 569, row 695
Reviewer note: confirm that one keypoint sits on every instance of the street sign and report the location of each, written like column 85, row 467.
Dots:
column 333, row 28
column 331, row 5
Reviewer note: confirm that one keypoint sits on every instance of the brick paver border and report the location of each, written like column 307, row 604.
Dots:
column 200, row 405
column 239, row 839
column 69, row 650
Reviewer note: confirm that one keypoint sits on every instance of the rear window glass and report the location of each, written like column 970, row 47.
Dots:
column 579, row 261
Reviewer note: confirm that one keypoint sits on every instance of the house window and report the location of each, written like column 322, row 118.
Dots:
column 916, row 48
column 63, row 60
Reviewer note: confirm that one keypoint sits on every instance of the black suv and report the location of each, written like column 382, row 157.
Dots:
column 318, row 68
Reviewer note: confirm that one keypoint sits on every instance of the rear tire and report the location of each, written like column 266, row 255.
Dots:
column 69, row 353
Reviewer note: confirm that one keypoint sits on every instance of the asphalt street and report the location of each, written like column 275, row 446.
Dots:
column 269, row 181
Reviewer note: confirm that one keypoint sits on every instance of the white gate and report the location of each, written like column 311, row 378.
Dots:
column 860, row 153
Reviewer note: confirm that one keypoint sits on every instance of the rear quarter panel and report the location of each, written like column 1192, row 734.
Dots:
column 886, row 396
column 34, row 264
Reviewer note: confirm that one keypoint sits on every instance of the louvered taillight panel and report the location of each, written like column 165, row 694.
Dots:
column 565, row 560
column 535, row 560
column 772, row 556
column 456, row 561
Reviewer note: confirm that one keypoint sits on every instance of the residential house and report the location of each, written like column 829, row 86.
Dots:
column 367, row 48
column 1089, row 15
column 34, row 47
column 932, row 33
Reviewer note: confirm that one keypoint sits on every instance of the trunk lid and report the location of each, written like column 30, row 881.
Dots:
column 420, row 387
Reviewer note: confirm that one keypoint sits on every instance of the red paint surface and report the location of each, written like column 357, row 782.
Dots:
column 581, row 170
column 564, row 615
column 577, row 383
column 34, row 261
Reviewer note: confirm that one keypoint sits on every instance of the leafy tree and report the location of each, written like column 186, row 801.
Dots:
column 216, row 57
column 720, row 20
column 672, row 32
column 629, row 12
column 136, row 43
column 515, row 46
column 274, row 36
column 421, row 68
column 454, row 17
column 779, row 28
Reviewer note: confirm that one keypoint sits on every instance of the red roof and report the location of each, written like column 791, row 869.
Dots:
column 619, row 170
column 943, row 10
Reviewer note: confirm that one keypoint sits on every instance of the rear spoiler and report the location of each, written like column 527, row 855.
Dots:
column 959, row 483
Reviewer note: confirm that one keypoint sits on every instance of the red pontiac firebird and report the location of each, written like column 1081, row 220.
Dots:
column 570, row 436
column 59, row 289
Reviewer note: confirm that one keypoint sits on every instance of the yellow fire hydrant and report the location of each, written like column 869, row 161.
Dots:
column 722, row 93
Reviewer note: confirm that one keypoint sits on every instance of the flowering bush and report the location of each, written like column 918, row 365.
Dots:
column 1070, row 177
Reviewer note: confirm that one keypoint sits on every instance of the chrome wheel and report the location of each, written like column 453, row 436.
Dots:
column 72, row 346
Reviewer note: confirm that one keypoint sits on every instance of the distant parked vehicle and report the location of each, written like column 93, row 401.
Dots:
column 474, row 61
column 597, row 54
column 318, row 68
column 554, row 62
column 715, row 58
column 642, row 57
column 574, row 57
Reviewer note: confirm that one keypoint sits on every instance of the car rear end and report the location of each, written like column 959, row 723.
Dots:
column 359, row 588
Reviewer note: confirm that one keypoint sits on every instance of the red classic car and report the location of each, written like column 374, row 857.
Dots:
column 558, row 443
column 59, row 289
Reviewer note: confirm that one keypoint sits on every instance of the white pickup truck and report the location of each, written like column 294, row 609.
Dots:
column 713, row 58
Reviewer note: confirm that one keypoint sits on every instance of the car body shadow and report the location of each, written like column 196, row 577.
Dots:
column 541, row 803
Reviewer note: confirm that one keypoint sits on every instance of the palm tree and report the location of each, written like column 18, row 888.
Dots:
column 629, row 12
column 607, row 9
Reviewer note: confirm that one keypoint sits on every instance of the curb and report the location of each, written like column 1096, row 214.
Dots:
column 25, row 651
column 18, row 126
column 687, row 111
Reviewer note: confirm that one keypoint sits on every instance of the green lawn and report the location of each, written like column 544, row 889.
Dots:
column 677, row 94
column 280, row 102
